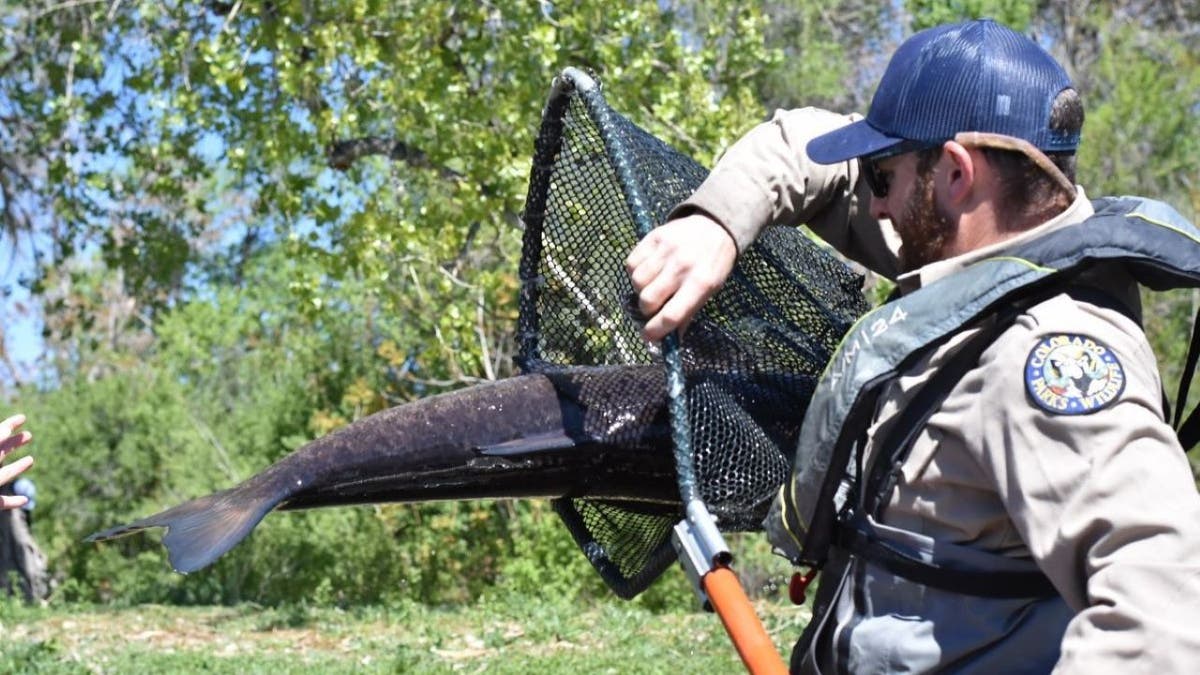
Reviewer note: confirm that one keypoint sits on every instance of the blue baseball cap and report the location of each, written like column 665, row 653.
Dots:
column 971, row 76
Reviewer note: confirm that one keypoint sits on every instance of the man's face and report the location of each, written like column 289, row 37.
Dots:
column 911, row 204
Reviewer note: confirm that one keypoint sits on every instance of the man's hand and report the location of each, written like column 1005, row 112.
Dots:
column 9, row 442
column 676, row 268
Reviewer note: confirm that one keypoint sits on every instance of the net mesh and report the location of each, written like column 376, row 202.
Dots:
column 751, row 357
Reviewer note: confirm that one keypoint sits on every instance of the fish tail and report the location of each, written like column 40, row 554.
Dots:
column 201, row 530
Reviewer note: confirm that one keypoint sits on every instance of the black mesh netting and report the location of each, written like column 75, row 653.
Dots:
column 751, row 358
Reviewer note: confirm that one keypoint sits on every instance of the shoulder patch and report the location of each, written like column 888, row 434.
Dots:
column 1068, row 374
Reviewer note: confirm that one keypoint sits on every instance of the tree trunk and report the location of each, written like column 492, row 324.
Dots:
column 21, row 561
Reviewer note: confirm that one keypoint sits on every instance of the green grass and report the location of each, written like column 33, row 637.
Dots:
column 516, row 635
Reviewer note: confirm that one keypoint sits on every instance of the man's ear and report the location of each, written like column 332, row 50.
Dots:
column 958, row 173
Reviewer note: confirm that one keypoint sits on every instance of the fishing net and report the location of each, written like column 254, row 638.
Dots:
column 751, row 358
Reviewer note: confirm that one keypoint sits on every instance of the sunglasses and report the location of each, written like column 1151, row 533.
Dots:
column 880, row 180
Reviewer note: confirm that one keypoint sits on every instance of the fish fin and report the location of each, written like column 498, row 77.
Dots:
column 550, row 440
column 201, row 530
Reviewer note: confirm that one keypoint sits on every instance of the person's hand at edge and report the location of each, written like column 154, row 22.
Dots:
column 10, row 441
column 676, row 268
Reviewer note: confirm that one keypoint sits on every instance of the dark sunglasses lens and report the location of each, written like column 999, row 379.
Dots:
column 876, row 180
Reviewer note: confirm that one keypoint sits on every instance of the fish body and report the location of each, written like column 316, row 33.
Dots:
column 560, row 434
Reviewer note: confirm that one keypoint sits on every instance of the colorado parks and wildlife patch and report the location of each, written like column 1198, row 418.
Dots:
column 1070, row 374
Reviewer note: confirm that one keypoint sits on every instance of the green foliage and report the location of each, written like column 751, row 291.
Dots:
column 386, row 143
column 1142, row 134
column 544, row 561
column 812, row 69
column 1015, row 14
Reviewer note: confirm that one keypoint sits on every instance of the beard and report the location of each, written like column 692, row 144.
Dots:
column 924, row 229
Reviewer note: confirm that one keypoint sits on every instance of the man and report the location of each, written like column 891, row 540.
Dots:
column 1032, row 509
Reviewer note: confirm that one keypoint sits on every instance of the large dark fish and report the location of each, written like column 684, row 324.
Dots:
column 536, row 435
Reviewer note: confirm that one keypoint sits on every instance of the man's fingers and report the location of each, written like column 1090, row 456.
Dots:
column 11, row 443
column 646, row 272
column 676, row 268
column 11, row 471
column 660, row 289
column 11, row 424
column 645, row 248
column 8, row 502
column 678, row 311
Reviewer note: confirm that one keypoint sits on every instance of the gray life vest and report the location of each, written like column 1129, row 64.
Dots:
column 829, row 495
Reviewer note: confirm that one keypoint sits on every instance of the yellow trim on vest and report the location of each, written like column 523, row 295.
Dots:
column 1028, row 263
column 783, row 513
column 1152, row 221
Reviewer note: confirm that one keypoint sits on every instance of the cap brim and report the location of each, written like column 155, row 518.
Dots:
column 857, row 139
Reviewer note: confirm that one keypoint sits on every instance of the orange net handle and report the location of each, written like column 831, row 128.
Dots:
column 741, row 622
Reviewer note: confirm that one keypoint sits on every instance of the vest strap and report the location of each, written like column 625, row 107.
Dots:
column 896, row 445
column 854, row 537
column 1188, row 430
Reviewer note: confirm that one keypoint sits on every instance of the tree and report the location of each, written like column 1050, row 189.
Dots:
column 387, row 142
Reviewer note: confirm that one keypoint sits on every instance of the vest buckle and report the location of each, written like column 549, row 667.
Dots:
column 798, row 586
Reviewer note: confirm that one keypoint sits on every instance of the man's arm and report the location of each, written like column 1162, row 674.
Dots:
column 764, row 179
column 1105, row 501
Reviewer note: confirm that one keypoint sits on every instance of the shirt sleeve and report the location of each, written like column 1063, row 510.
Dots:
column 1105, row 500
column 766, row 178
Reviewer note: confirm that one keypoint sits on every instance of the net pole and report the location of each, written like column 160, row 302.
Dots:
column 741, row 622
column 706, row 560
column 619, row 157
column 737, row 614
